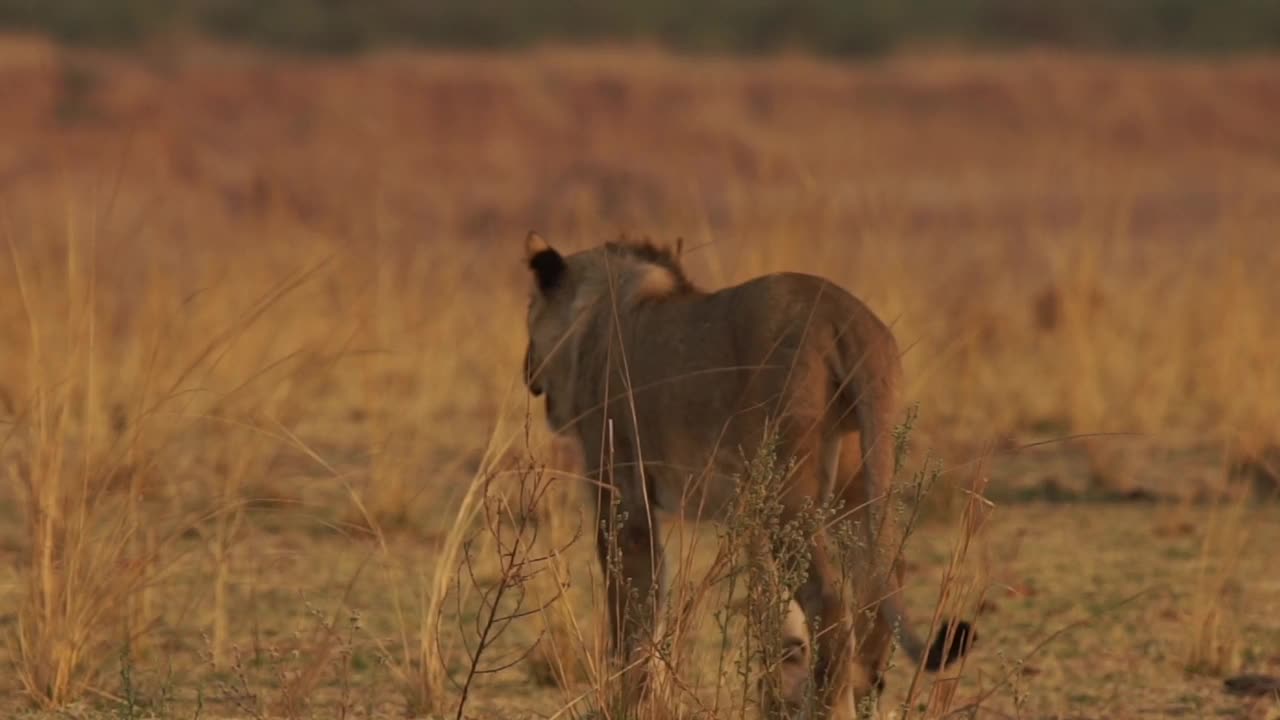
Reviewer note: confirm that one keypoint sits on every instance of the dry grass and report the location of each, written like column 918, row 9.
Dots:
column 261, row 331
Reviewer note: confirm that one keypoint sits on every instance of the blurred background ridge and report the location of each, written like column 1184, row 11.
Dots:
column 833, row 27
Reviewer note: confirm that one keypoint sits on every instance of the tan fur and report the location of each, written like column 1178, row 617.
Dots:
column 652, row 282
column 666, row 387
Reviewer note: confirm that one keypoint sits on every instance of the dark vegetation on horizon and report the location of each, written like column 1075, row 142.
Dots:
column 829, row 27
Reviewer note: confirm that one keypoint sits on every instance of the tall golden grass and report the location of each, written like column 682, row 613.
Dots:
column 239, row 287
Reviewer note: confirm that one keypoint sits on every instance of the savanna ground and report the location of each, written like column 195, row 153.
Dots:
column 262, row 323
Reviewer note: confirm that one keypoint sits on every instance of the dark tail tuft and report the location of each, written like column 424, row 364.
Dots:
column 962, row 638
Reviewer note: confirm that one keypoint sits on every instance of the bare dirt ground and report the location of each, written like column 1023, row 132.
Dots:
column 1121, row 582
column 261, row 329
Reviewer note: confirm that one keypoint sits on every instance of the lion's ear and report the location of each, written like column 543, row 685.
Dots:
column 547, row 264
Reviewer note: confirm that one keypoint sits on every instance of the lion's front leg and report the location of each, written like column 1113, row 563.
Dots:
column 631, row 557
column 838, row 689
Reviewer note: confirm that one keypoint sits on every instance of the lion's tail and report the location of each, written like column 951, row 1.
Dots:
column 870, row 370
column 951, row 642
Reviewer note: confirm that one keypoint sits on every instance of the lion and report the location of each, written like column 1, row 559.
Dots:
column 668, row 388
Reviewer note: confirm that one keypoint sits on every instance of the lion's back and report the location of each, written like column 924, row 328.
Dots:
column 738, row 354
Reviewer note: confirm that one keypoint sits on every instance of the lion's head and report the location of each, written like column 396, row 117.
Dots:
column 566, row 293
